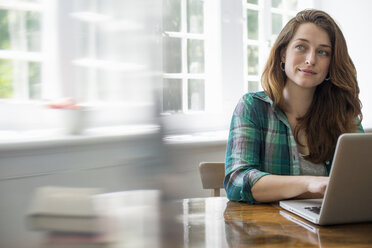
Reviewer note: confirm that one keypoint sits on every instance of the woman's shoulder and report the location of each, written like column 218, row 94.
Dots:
column 256, row 98
column 253, row 103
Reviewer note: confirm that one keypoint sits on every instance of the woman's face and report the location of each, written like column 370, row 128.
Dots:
column 307, row 56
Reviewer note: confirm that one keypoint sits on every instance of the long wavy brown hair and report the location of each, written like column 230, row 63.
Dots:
column 336, row 108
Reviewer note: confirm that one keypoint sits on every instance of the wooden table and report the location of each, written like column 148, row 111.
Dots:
column 217, row 222
column 206, row 222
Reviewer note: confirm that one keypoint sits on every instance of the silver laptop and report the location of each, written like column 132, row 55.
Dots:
column 348, row 197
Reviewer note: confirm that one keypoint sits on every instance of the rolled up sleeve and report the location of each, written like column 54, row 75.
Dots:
column 243, row 154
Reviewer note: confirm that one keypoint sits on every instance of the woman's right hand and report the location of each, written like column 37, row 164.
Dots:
column 317, row 185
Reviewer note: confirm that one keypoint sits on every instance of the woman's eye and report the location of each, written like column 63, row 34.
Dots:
column 322, row 52
column 300, row 47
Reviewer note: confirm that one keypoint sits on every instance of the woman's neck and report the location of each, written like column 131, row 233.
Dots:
column 297, row 100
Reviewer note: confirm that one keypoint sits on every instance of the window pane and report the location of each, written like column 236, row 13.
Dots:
column 252, row 1
column 195, row 16
column 4, row 30
column 195, row 56
column 252, row 24
column 196, row 94
column 172, row 15
column 253, row 86
column 172, row 95
column 20, row 76
column 34, row 75
column 252, row 60
column 85, row 44
column 292, row 4
column 276, row 22
column 6, row 72
column 172, row 55
column 33, row 31
column 276, row 3
column 20, row 30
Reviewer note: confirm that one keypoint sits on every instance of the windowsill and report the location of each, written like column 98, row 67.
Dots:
column 196, row 139
column 10, row 140
column 13, row 140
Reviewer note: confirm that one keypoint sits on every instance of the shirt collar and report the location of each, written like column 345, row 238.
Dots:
column 262, row 96
column 280, row 114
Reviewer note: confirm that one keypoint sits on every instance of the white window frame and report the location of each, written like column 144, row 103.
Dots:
column 225, row 65
column 213, row 115
column 58, row 59
column 264, row 42
column 21, row 90
column 184, row 76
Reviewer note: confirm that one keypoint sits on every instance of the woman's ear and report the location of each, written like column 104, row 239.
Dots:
column 282, row 55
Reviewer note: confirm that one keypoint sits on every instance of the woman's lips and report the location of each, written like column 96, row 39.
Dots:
column 307, row 71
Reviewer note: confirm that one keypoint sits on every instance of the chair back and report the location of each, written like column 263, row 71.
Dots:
column 212, row 175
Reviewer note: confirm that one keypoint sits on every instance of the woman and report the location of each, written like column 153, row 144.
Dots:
column 282, row 140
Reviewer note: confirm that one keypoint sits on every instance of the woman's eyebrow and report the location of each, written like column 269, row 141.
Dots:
column 305, row 40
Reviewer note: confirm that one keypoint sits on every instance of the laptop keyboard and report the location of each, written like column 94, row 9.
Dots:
column 313, row 209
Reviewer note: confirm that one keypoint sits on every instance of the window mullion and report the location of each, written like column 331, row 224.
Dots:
column 184, row 77
column 51, row 84
column 20, row 67
column 286, row 8
column 184, row 95
column 92, row 89
column 265, row 38
column 21, row 55
column 21, row 6
column 266, row 13
column 184, row 54
column 185, row 35
column 245, row 44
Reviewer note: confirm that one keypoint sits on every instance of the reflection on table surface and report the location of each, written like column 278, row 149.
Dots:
column 210, row 222
column 216, row 222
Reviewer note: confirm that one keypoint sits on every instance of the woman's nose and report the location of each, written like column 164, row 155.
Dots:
column 310, row 58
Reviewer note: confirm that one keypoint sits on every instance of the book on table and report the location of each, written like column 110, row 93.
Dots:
column 76, row 240
column 62, row 209
column 88, row 218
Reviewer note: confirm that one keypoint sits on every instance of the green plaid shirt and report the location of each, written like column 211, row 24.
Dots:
column 260, row 143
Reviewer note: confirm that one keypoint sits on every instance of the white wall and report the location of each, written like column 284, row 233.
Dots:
column 183, row 179
column 354, row 19
column 114, row 165
column 232, row 25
